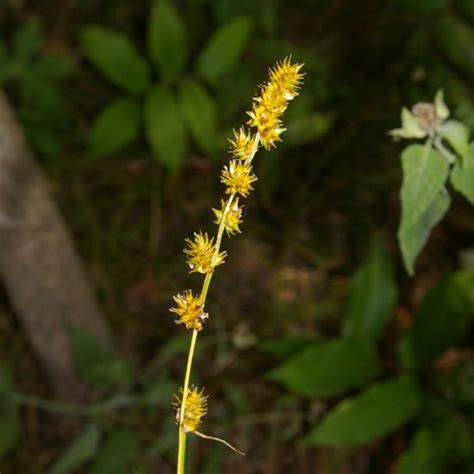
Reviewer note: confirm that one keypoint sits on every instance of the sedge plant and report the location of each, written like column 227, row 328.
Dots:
column 203, row 253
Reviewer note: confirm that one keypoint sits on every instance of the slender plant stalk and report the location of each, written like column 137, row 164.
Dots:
column 192, row 345
column 204, row 254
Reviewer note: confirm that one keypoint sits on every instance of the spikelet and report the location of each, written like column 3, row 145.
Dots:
column 201, row 254
column 232, row 218
column 195, row 407
column 238, row 177
column 269, row 106
column 190, row 311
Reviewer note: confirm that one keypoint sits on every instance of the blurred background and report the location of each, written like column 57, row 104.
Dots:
column 127, row 107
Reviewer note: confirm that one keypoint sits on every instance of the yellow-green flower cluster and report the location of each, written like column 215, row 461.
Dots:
column 202, row 256
column 203, row 253
column 190, row 311
column 232, row 218
column 269, row 106
column 195, row 407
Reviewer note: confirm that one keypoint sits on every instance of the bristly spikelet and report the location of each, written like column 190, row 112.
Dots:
column 232, row 218
column 242, row 144
column 201, row 254
column 268, row 107
column 195, row 408
column 238, row 177
column 190, row 311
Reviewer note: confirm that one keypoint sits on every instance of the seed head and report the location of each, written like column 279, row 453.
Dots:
column 201, row 254
column 238, row 177
column 195, row 408
column 190, row 311
column 232, row 219
column 269, row 106
column 242, row 144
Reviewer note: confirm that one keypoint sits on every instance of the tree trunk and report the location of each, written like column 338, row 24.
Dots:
column 41, row 270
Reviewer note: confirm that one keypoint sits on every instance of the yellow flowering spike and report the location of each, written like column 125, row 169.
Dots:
column 190, row 311
column 287, row 77
column 195, row 408
column 232, row 219
column 242, row 144
column 238, row 177
column 201, row 254
column 269, row 106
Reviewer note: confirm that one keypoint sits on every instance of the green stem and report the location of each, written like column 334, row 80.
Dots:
column 192, row 347
column 118, row 401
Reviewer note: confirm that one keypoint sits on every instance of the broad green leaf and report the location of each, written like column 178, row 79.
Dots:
column 462, row 175
column 424, row 174
column 27, row 41
column 457, row 135
column 79, row 451
column 200, row 113
column 164, row 127
column 6, row 379
column 425, row 6
column 420, row 458
column 466, row 7
column 454, row 38
column 450, row 433
column 118, row 453
column 372, row 298
column 286, row 346
column 443, row 317
column 115, row 56
column 167, row 40
column 95, row 363
column 329, row 368
column 115, row 127
column 160, row 392
column 457, row 384
column 412, row 239
column 9, row 427
column 223, row 51
column 379, row 410
column 308, row 128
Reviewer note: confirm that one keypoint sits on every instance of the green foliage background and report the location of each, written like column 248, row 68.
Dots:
column 321, row 354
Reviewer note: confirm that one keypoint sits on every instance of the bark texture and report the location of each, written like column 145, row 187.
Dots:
column 41, row 270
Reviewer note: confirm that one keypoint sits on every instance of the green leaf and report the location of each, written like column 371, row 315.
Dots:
column 114, row 55
column 27, row 41
column 199, row 110
column 443, row 317
column 6, row 379
column 223, row 51
column 81, row 450
column 424, row 174
column 286, row 346
column 167, row 40
column 454, row 38
column 115, row 127
column 466, row 7
column 457, row 135
column 329, row 368
column 95, row 363
column 372, row 299
column 462, row 175
column 377, row 411
column 119, row 452
column 412, row 239
column 426, row 6
column 164, row 127
column 420, row 458
column 457, row 384
column 308, row 128
column 9, row 427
